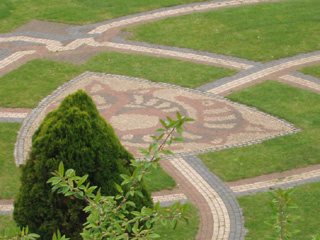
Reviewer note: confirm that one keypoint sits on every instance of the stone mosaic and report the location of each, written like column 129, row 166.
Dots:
column 134, row 106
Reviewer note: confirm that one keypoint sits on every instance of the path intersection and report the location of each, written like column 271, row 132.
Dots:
column 133, row 107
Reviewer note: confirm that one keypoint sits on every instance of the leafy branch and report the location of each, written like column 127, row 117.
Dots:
column 108, row 214
column 282, row 219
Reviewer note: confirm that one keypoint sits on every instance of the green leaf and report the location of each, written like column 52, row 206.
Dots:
column 69, row 194
column 54, row 180
column 154, row 235
column 157, row 207
column 64, row 190
column 154, row 165
column 83, row 179
column 98, row 195
column 160, row 130
column 179, row 116
column 174, row 223
column 163, row 221
column 61, row 169
column 160, row 137
column 136, row 213
column 156, row 153
column 125, row 176
column 135, row 227
column 180, row 130
column 143, row 151
column 147, row 211
column 69, row 172
column 131, row 203
column 178, row 139
column 119, row 188
column 188, row 120
column 90, row 190
column 148, row 224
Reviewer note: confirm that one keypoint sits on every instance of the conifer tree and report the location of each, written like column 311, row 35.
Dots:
column 78, row 136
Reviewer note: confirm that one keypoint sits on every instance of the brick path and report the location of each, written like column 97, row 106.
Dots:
column 220, row 123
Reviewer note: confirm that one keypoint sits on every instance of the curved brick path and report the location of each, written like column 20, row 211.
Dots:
column 221, row 217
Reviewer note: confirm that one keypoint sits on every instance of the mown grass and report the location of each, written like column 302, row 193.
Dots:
column 261, row 32
column 19, row 12
column 6, row 221
column 311, row 70
column 256, row 211
column 158, row 179
column 295, row 105
column 183, row 231
column 38, row 78
column 10, row 174
column 26, row 86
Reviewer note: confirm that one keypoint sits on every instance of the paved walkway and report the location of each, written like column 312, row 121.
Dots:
column 220, row 123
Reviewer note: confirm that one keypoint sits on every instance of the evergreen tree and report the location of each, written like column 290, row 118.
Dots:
column 78, row 136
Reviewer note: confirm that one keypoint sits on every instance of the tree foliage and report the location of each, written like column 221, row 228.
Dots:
column 76, row 134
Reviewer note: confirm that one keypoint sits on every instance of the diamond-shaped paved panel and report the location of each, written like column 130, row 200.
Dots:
column 134, row 106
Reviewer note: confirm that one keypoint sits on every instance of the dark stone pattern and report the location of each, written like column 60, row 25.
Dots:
column 235, row 212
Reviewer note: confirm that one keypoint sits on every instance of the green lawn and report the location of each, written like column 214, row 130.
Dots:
column 10, row 174
column 158, row 179
column 38, row 78
column 33, row 81
column 261, row 32
column 295, row 105
column 311, row 70
column 19, row 12
column 256, row 211
column 183, row 230
column 6, row 221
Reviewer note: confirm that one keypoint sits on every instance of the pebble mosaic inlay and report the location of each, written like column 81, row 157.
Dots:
column 134, row 106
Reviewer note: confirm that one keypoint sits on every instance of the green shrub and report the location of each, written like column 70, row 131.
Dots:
column 76, row 134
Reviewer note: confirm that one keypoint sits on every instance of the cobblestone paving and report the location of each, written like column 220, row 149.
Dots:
column 13, row 114
column 220, row 123
column 168, row 200
column 272, row 70
column 6, row 209
column 286, row 182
